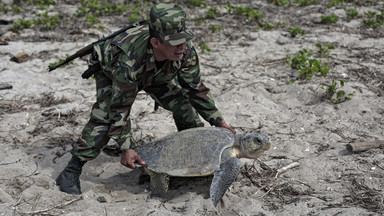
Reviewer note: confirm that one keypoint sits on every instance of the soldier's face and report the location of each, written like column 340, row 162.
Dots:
column 164, row 51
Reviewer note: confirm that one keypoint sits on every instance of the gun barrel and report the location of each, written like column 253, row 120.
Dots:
column 82, row 52
column 53, row 67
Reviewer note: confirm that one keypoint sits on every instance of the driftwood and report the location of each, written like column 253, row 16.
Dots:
column 5, row 86
column 363, row 146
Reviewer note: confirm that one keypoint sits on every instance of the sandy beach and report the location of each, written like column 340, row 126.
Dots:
column 253, row 86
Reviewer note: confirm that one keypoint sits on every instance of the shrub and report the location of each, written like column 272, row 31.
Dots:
column 329, row 19
column 296, row 31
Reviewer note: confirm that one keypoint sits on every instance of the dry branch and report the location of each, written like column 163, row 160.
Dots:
column 60, row 205
column 285, row 168
column 363, row 146
column 5, row 86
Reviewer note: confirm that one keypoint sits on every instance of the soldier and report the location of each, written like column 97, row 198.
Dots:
column 158, row 58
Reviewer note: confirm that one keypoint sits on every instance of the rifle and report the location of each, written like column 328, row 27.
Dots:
column 88, row 49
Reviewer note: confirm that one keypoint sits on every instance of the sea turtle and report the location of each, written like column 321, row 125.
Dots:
column 200, row 152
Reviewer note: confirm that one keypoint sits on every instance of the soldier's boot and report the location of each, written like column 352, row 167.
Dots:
column 69, row 179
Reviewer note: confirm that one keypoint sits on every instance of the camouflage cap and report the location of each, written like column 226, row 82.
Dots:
column 168, row 22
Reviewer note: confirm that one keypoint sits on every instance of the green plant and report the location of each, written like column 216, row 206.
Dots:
column 133, row 18
column 374, row 19
column 281, row 2
column 307, row 66
column 370, row 22
column 325, row 50
column 370, row 14
column 5, row 9
column 212, row 13
column 351, row 13
column 329, row 19
column 92, row 19
column 335, row 2
column 314, row 67
column 135, row 15
column 204, row 47
column 198, row 21
column 299, row 59
column 41, row 2
column 49, row 22
column 196, row 3
column 380, row 18
column 296, row 31
column 266, row 26
column 43, row 19
column 102, row 7
column 100, row 26
column 282, row 23
column 16, row 9
column 334, row 94
column 303, row 3
column 91, row 6
column 22, row 24
column 251, row 14
column 215, row 28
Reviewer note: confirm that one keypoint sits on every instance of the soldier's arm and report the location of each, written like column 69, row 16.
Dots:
column 124, row 94
column 200, row 96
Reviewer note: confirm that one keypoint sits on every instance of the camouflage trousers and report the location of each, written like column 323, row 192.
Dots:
column 171, row 96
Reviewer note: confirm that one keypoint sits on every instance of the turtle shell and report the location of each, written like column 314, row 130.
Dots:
column 191, row 152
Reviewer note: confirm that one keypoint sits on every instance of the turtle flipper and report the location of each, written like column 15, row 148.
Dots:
column 223, row 178
column 159, row 183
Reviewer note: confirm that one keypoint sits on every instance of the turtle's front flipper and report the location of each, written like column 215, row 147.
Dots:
column 159, row 184
column 223, row 178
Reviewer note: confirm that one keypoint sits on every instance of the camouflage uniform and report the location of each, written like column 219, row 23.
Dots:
column 128, row 66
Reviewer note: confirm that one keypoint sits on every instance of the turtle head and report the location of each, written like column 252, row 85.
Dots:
column 252, row 145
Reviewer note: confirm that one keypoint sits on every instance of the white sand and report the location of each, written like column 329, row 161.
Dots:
column 248, row 76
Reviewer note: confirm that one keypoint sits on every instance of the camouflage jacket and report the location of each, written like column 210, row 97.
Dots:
column 128, row 60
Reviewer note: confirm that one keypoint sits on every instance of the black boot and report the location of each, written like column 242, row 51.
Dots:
column 68, row 179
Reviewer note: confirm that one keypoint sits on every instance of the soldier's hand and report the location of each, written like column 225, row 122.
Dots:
column 223, row 124
column 129, row 157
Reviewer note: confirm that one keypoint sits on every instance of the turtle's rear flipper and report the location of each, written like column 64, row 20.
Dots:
column 159, row 184
column 223, row 178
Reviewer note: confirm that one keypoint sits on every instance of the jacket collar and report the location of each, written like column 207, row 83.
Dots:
column 150, row 61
